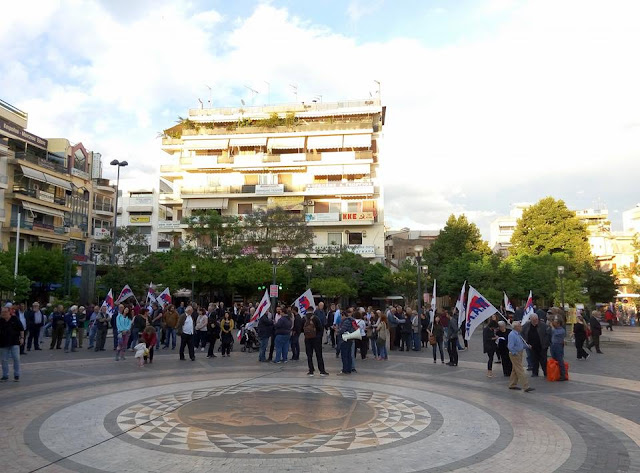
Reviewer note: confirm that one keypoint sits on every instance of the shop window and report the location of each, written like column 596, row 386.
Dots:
column 334, row 239
column 355, row 238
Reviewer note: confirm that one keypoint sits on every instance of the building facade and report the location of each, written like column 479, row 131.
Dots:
column 631, row 220
column 502, row 229
column 320, row 160
column 47, row 190
column 400, row 245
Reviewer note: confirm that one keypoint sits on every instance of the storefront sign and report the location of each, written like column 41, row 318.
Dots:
column 328, row 217
column 45, row 196
column 140, row 200
column 357, row 216
column 168, row 225
column 100, row 233
column 287, row 203
column 341, row 188
column 269, row 189
column 19, row 132
column 139, row 219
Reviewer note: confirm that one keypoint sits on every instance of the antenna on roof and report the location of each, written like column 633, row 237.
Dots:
column 208, row 87
column 295, row 90
column 201, row 104
column 254, row 92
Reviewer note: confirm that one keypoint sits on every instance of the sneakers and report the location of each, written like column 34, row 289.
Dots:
column 528, row 390
column 324, row 373
column 343, row 373
column 310, row 374
column 515, row 388
column 16, row 378
column 4, row 378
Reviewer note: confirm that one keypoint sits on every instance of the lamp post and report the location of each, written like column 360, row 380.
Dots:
column 120, row 164
column 418, row 252
column 275, row 254
column 561, row 275
column 309, row 269
column 68, row 250
column 193, row 276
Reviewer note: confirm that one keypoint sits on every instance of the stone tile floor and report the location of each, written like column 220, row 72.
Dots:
column 85, row 412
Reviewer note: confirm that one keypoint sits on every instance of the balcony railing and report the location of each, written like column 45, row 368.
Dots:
column 37, row 195
column 38, row 226
column 32, row 158
column 103, row 207
column 245, row 189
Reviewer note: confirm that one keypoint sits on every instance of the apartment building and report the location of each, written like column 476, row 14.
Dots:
column 502, row 228
column 140, row 210
column 631, row 220
column 47, row 189
column 319, row 159
column 400, row 245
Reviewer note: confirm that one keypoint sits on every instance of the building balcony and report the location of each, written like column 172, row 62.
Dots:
column 103, row 209
column 169, row 199
column 38, row 196
column 344, row 218
column 2, row 215
column 4, row 181
column 38, row 227
column 367, row 251
column 4, row 150
column 249, row 190
column 341, row 188
column 45, row 163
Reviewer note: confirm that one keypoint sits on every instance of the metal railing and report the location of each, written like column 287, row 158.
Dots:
column 103, row 207
column 32, row 158
column 284, row 108
column 45, row 227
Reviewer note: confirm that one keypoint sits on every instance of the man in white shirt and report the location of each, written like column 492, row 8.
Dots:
column 186, row 330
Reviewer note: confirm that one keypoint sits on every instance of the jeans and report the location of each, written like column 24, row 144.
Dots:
column 282, row 348
column 171, row 337
column 345, row 353
column 158, row 332
column 92, row 335
column 264, row 342
column 295, row 347
column 353, row 355
column 416, row 342
column 123, row 340
column 438, row 345
column 70, row 340
column 10, row 352
column 382, row 351
column 312, row 345
column 557, row 353
column 374, row 347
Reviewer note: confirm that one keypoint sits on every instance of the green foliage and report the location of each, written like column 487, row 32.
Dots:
column 273, row 121
column 405, row 282
column 602, row 285
column 573, row 292
column 550, row 228
column 187, row 124
column 333, row 287
column 22, row 288
column 376, row 281
column 42, row 265
column 244, row 122
column 131, row 246
column 290, row 119
column 214, row 234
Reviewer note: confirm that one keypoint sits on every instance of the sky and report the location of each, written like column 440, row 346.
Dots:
column 489, row 102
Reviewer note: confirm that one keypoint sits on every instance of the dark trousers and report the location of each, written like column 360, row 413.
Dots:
column 345, row 353
column 363, row 346
column 490, row 354
column 201, row 338
column 101, row 338
column 226, row 340
column 115, row 337
column 57, row 334
column 34, row 336
column 595, row 342
column 186, row 340
column 151, row 348
column 438, row 344
column 272, row 347
column 405, row 341
column 332, row 336
column 312, row 345
column 212, row 344
column 579, row 348
column 295, row 347
column 24, row 341
column 538, row 360
column 453, row 350
column 506, row 362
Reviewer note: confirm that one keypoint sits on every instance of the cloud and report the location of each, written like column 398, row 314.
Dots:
column 358, row 9
column 547, row 103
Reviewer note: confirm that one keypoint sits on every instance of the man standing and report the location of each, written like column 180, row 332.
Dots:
column 156, row 321
column 11, row 337
column 322, row 317
column 313, row 329
column 265, row 331
column 93, row 327
column 329, row 324
column 296, row 330
column 170, row 318
column 337, row 321
column 20, row 313
column 516, row 347
column 57, row 327
column 538, row 337
column 71, row 323
column 393, row 328
column 114, row 324
column 35, row 321
column 82, row 317
column 102, row 327
column 346, row 326
column 452, row 341
column 186, row 329
column 596, row 331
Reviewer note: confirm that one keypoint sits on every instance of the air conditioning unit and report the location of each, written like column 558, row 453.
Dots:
column 309, row 203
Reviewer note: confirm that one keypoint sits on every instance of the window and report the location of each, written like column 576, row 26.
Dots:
column 326, row 207
column 80, row 160
column 265, row 179
column 244, row 209
column 354, row 207
column 334, row 239
column 355, row 238
column 250, row 179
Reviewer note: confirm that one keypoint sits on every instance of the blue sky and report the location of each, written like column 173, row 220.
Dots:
column 490, row 102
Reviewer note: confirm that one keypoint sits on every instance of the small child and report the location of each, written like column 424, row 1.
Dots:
column 140, row 348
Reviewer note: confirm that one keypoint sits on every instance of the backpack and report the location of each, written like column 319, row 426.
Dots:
column 309, row 327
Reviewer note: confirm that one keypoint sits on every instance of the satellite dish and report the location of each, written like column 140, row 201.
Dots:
column 242, row 102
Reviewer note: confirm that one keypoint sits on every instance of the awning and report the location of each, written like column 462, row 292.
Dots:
column 206, row 203
column 33, row 174
column 340, row 169
column 247, row 142
column 208, row 144
column 324, row 142
column 357, row 141
column 42, row 209
column 56, row 181
column 295, row 142
column 140, row 208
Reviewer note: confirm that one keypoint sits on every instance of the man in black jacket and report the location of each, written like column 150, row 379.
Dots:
column 313, row 330
column 596, row 331
column 57, row 327
column 11, row 337
column 35, row 321
column 537, row 334
column 265, row 332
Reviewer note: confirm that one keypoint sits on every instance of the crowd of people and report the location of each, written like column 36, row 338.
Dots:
column 352, row 332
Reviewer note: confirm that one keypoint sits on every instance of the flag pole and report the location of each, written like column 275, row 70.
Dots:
column 509, row 324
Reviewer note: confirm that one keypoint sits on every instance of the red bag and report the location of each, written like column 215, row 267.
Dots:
column 553, row 370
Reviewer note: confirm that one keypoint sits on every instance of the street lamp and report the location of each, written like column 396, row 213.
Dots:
column 193, row 276
column 120, row 164
column 561, row 275
column 68, row 250
column 275, row 254
column 309, row 269
column 418, row 252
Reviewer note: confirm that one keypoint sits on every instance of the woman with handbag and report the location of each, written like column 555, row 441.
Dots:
column 436, row 338
column 383, row 334
column 372, row 335
column 580, row 336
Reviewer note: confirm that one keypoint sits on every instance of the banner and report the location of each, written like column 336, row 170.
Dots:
column 262, row 309
column 108, row 302
column 164, row 298
column 507, row 304
column 433, row 301
column 460, row 305
column 305, row 303
column 125, row 294
column 479, row 309
column 151, row 294
column 528, row 309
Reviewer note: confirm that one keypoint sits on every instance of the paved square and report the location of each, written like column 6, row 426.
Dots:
column 84, row 412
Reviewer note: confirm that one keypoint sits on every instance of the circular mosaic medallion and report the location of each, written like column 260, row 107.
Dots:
column 244, row 419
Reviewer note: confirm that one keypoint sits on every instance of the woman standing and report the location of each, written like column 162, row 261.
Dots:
column 489, row 344
column 226, row 336
column 201, row 329
column 437, row 336
column 371, row 333
column 213, row 328
column 580, row 335
column 424, row 330
column 383, row 334
column 123, row 323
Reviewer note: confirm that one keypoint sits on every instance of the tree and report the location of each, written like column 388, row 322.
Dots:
column 214, row 234
column 550, row 228
column 405, row 282
column 333, row 287
column 131, row 247
column 376, row 281
column 601, row 285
